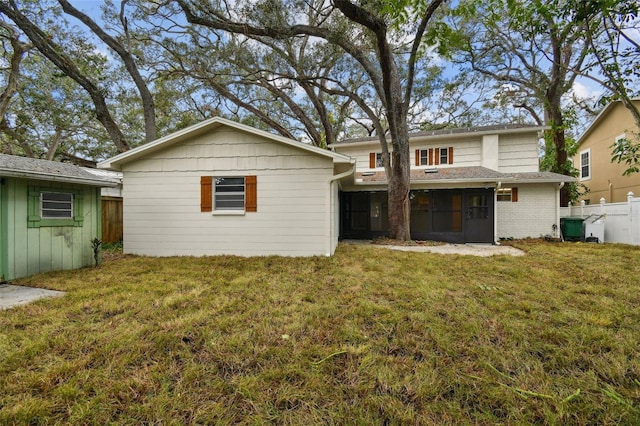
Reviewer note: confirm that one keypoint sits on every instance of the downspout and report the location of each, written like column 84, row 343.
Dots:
column 557, row 224
column 330, row 220
column 495, row 213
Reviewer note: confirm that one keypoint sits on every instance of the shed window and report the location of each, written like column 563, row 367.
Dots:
column 56, row 205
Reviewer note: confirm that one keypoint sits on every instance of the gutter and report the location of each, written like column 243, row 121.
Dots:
column 58, row 178
column 330, row 221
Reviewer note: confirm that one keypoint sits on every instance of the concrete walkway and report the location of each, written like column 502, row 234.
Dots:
column 483, row 250
column 14, row 295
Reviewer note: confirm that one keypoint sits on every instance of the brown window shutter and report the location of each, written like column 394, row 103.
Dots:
column 514, row 195
column 437, row 156
column 250, row 193
column 372, row 160
column 450, row 155
column 206, row 193
column 417, row 157
column 430, row 156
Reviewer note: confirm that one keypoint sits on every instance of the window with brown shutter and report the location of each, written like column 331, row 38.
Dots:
column 507, row 194
column 206, row 192
column 228, row 194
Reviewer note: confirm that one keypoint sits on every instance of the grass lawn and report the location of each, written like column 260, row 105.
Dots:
column 369, row 336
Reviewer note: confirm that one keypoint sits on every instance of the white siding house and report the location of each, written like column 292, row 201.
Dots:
column 220, row 187
column 467, row 185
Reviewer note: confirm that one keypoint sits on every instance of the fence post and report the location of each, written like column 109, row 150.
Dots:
column 630, row 216
column 602, row 203
column 582, row 203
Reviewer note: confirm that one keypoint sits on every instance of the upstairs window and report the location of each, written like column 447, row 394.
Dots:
column 444, row 155
column 585, row 164
column 375, row 160
column 434, row 156
column 423, row 157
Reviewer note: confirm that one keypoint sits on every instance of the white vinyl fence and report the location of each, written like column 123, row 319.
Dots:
column 621, row 220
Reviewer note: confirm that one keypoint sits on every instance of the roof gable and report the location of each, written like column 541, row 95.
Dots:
column 115, row 163
column 601, row 117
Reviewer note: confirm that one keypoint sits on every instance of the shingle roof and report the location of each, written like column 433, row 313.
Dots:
column 468, row 174
column 33, row 168
column 456, row 131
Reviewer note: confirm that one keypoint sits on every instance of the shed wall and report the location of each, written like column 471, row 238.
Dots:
column 49, row 248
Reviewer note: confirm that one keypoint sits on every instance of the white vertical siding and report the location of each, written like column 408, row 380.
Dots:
column 162, row 214
column 533, row 215
column 48, row 248
column 490, row 149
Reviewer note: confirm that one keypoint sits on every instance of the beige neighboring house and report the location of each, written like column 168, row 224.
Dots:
column 593, row 159
column 220, row 187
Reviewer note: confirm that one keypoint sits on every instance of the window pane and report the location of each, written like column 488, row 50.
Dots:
column 504, row 194
column 56, row 205
column 424, row 157
column 229, row 193
column 584, row 164
column 444, row 152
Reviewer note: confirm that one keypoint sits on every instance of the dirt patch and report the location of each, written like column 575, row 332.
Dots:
column 483, row 250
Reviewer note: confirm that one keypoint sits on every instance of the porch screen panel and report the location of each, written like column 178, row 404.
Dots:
column 420, row 211
column 359, row 211
column 447, row 211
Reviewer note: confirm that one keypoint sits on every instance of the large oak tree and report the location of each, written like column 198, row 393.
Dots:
column 365, row 31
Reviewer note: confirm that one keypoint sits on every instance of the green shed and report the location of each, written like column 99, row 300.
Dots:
column 49, row 213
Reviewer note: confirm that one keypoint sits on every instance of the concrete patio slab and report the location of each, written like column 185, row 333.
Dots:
column 15, row 295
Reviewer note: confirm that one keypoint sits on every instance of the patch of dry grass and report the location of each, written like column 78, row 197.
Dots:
column 368, row 336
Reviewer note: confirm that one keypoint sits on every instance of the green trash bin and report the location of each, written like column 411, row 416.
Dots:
column 571, row 228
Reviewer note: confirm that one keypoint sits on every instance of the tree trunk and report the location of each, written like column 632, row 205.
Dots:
column 556, row 121
column 399, row 186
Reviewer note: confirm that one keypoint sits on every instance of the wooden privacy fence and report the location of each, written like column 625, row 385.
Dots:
column 621, row 220
column 111, row 219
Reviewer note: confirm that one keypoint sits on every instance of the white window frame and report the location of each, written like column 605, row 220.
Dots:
column 425, row 157
column 622, row 137
column 59, row 205
column 589, row 165
column 379, row 163
column 504, row 193
column 445, row 155
column 222, row 197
